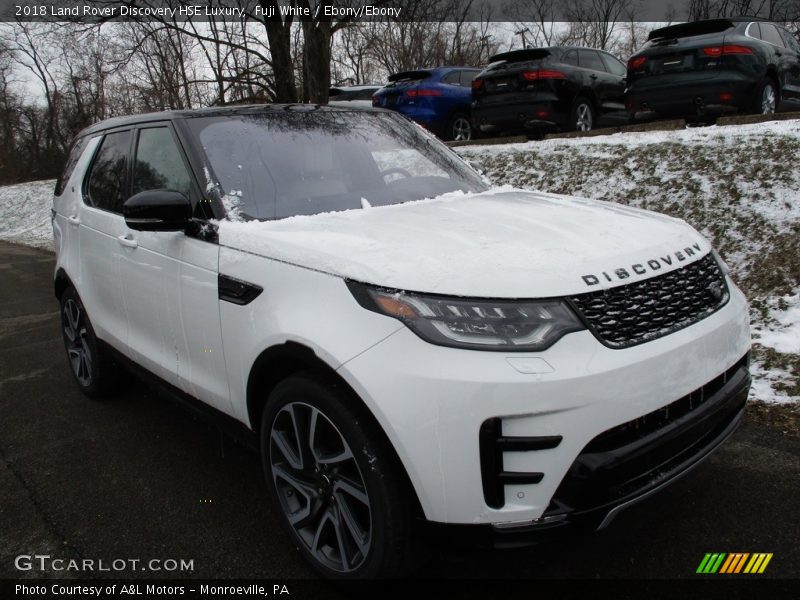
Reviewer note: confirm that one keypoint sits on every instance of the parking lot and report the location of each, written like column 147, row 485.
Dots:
column 137, row 477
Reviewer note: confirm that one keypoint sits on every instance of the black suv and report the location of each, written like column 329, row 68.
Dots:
column 707, row 68
column 544, row 88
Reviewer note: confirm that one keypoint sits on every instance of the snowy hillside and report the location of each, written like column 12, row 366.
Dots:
column 738, row 185
column 25, row 213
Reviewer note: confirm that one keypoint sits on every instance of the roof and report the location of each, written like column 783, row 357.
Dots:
column 214, row 111
column 427, row 71
column 356, row 88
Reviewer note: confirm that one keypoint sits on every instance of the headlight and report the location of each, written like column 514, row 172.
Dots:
column 475, row 324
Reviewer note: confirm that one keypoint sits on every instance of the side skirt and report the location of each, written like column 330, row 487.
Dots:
column 226, row 424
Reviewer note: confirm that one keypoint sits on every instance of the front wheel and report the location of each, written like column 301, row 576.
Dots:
column 581, row 116
column 460, row 129
column 335, row 482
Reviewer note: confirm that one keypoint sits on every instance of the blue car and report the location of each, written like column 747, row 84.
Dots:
column 438, row 99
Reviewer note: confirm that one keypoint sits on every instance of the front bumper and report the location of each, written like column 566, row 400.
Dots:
column 434, row 402
column 671, row 454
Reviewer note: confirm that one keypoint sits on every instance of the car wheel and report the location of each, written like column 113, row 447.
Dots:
column 460, row 129
column 335, row 482
column 582, row 115
column 93, row 369
column 766, row 100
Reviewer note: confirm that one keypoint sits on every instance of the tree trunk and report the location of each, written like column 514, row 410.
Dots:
column 317, row 60
column 280, row 48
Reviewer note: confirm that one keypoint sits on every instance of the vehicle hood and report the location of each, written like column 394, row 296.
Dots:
column 503, row 243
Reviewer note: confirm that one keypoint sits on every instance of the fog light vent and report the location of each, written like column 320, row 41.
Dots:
column 492, row 446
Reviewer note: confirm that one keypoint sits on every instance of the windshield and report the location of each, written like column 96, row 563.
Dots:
column 278, row 164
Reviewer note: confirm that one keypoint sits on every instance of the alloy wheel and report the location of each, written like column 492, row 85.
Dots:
column 768, row 100
column 583, row 117
column 462, row 130
column 320, row 487
column 78, row 349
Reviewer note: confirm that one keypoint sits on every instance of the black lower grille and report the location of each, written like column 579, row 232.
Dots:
column 628, row 459
column 631, row 314
column 492, row 446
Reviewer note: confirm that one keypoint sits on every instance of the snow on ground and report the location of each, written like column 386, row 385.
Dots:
column 25, row 213
column 738, row 185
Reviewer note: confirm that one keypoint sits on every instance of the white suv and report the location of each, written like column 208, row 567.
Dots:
column 405, row 344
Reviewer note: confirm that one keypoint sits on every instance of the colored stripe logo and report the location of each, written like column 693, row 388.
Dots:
column 734, row 563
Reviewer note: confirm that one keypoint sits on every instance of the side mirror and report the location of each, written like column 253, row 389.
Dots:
column 157, row 210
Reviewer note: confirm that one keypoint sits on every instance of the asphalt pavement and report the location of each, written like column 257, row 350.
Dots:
column 138, row 477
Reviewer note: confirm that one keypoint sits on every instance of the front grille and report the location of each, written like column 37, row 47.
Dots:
column 631, row 314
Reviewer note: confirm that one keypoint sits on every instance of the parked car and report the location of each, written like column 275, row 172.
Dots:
column 707, row 68
column 352, row 95
column 438, row 99
column 504, row 364
column 532, row 90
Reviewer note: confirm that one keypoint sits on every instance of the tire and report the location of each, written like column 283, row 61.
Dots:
column 92, row 367
column 582, row 115
column 340, row 494
column 460, row 129
column 766, row 99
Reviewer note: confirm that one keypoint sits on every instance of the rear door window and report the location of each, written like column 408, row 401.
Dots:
column 467, row 77
column 613, row 65
column 159, row 164
column 769, row 33
column 452, row 78
column 106, row 186
column 570, row 58
column 589, row 59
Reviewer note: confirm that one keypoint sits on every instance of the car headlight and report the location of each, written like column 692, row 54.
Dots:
column 474, row 324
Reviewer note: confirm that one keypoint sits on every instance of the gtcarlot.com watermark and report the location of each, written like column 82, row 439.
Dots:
column 50, row 564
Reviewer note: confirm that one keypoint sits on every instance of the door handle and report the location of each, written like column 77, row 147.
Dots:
column 127, row 242
column 74, row 220
column 593, row 76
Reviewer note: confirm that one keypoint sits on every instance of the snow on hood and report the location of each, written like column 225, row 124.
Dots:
column 503, row 243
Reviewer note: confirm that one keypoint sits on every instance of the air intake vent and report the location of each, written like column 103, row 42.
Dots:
column 492, row 446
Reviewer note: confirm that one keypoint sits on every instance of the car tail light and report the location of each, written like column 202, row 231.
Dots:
column 637, row 62
column 422, row 92
column 714, row 51
column 543, row 74
column 542, row 114
column 376, row 101
column 725, row 97
column 477, row 85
